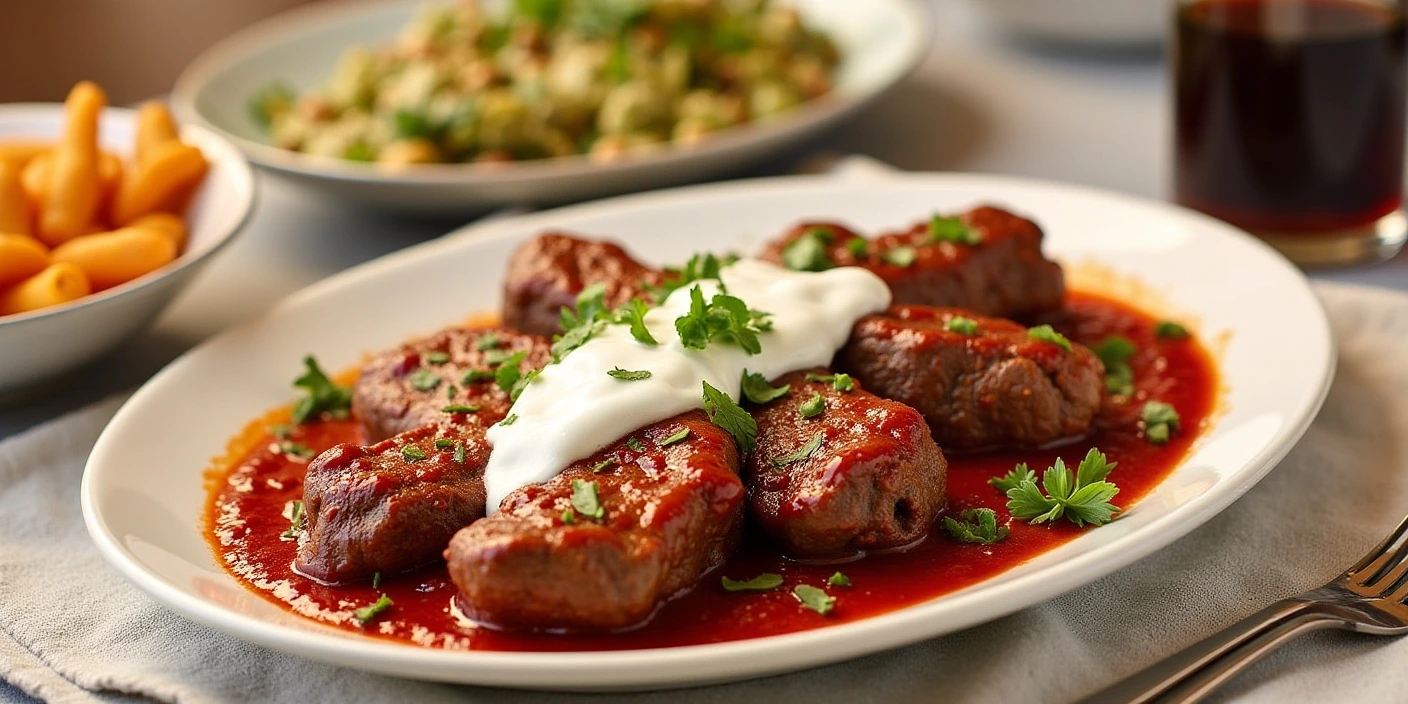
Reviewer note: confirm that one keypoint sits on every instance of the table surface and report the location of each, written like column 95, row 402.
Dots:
column 980, row 102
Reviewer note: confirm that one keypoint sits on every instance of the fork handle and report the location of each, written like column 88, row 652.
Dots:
column 1196, row 671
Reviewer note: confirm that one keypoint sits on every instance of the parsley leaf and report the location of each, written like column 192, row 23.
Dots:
column 839, row 580
column 859, row 248
column 510, row 420
column 1012, row 479
column 757, row 389
column 724, row 319
column 496, row 357
column 476, row 375
column 813, row 406
column 522, row 383
column 962, row 325
column 323, row 395
column 294, row 449
column 814, row 599
column 508, row 372
column 585, row 500
column 942, row 229
column 460, row 408
column 411, row 453
column 764, row 582
column 437, row 357
column 727, row 414
column 677, row 437
column 581, row 323
column 444, row 443
column 367, row 613
column 635, row 444
column 601, row 466
column 698, row 268
column 1081, row 498
column 976, row 525
column 1169, row 330
column 424, row 380
column 294, row 512
column 808, row 252
column 633, row 314
column 569, row 516
column 458, row 456
column 1046, row 333
column 487, row 342
column 801, row 453
column 1160, row 421
column 628, row 375
column 840, row 382
column 1115, row 351
column 902, row 256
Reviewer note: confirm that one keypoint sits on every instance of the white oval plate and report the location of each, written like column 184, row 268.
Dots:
column 143, row 494
column 880, row 40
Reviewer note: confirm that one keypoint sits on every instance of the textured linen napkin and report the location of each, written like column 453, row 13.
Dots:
column 72, row 630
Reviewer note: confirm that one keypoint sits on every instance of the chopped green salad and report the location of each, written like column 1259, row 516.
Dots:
column 550, row 78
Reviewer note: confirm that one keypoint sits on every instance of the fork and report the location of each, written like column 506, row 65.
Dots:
column 1370, row 597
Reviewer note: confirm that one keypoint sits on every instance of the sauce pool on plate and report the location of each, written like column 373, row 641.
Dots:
column 250, row 492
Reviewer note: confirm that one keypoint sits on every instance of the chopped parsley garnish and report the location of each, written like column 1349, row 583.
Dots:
column 962, row 325
column 523, row 381
column 635, row 444
column 724, row 319
column 628, row 375
column 1013, row 479
column 975, row 525
column 569, row 516
column 581, row 323
column 323, row 395
column 487, row 342
column 1169, row 330
column 1082, row 497
column 859, row 248
column 764, row 582
column 757, row 389
column 496, row 357
column 460, row 408
column 294, row 512
column 444, row 443
column 601, row 466
column 281, row 431
column 1160, row 421
column 437, row 357
column 633, row 314
column 1115, row 352
column 808, row 252
column 838, row 580
column 367, row 613
column 424, row 380
column 677, row 437
column 698, row 268
column 727, row 414
column 942, row 229
column 1046, row 333
column 508, row 372
column 902, row 256
column 458, row 455
column 840, row 382
column 411, row 453
column 294, row 449
column 510, row 420
column 376, row 581
column 476, row 375
column 585, row 500
column 801, row 453
column 451, row 390
column 813, row 406
column 814, row 598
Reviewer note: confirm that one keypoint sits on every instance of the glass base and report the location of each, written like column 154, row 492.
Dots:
column 1374, row 242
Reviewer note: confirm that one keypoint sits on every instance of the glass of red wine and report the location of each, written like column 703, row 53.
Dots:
column 1289, row 122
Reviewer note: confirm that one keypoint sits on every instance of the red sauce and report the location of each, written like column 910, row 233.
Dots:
column 250, row 490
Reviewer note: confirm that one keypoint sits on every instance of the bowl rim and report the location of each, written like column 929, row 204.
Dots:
column 301, row 20
column 234, row 159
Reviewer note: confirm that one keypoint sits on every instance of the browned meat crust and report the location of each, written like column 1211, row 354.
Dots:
column 547, row 272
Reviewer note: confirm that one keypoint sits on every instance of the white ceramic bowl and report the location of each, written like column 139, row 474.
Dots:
column 880, row 40
column 38, row 346
column 1108, row 23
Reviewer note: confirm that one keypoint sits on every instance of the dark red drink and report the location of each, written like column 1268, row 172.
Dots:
column 1290, row 113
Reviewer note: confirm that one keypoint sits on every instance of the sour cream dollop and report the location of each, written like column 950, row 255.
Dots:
column 575, row 408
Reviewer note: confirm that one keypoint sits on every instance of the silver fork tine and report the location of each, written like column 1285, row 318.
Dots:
column 1390, row 550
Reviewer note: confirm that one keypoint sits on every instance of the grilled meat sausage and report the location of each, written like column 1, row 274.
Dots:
column 412, row 386
column 546, row 273
column 841, row 471
column 391, row 506
column 995, row 387
column 669, row 512
column 1004, row 274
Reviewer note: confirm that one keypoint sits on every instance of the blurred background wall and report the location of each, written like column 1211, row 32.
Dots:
column 133, row 48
